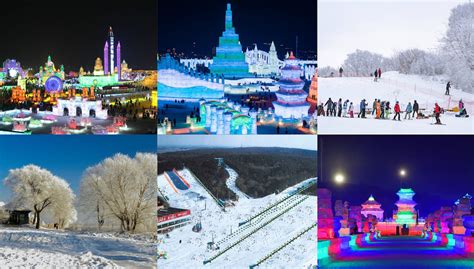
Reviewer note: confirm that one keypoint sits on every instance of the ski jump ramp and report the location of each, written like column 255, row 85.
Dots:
column 177, row 182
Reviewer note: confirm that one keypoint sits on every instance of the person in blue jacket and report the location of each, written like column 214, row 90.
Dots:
column 362, row 106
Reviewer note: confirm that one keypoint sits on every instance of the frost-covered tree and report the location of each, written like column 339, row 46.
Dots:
column 363, row 63
column 458, row 47
column 419, row 62
column 123, row 190
column 37, row 189
column 327, row 71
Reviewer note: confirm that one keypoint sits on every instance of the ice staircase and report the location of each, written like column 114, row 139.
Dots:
column 268, row 208
column 219, row 203
column 269, row 255
column 256, row 229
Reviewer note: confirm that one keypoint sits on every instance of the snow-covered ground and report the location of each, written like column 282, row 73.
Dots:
column 30, row 248
column 395, row 87
column 217, row 225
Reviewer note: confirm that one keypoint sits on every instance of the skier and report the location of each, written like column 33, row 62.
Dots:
column 375, row 75
column 362, row 106
column 351, row 110
column 329, row 105
column 339, row 107
column 344, row 108
column 340, row 71
column 437, row 112
column 397, row 111
column 377, row 107
column 408, row 111
column 380, row 72
column 462, row 110
column 374, row 106
column 415, row 109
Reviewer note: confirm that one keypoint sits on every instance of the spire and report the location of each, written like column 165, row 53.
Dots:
column 272, row 46
column 111, row 32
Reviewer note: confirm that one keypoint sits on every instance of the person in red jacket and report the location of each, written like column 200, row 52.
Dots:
column 380, row 72
column 437, row 112
column 397, row 110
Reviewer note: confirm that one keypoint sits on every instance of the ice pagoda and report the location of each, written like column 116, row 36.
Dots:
column 230, row 59
column 406, row 213
column 291, row 98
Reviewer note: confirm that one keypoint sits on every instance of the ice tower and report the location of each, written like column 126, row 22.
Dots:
column 406, row 213
column 291, row 98
column 230, row 59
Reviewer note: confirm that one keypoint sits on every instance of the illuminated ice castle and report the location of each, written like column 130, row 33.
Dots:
column 176, row 81
column 406, row 213
column 291, row 98
column 230, row 59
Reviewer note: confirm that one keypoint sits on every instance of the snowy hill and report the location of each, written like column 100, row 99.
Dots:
column 395, row 87
column 246, row 244
column 27, row 248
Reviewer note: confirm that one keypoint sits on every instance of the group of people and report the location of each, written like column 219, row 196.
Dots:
column 377, row 74
column 381, row 110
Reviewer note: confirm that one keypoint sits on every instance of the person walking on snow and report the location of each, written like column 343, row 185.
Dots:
column 437, row 112
column 329, row 104
column 351, row 110
column 387, row 109
column 382, row 110
column 448, row 87
column 344, row 108
column 461, row 105
column 378, row 108
column 362, row 106
column 321, row 110
column 408, row 111
column 397, row 111
column 416, row 107
column 374, row 106
column 380, row 73
column 339, row 107
column 340, row 71
column 375, row 75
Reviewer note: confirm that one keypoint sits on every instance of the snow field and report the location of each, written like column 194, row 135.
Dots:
column 217, row 225
column 395, row 87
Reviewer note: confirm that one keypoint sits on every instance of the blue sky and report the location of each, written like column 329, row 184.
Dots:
column 284, row 141
column 66, row 156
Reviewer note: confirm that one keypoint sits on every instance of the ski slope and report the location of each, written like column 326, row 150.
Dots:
column 395, row 87
column 30, row 248
column 223, row 227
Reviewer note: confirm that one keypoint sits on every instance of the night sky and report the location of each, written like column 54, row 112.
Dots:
column 66, row 156
column 440, row 169
column 74, row 32
column 182, row 22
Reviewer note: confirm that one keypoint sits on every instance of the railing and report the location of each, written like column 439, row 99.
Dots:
column 253, row 232
column 269, row 255
column 278, row 202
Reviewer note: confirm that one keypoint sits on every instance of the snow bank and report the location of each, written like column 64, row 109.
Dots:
column 33, row 258
column 27, row 247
